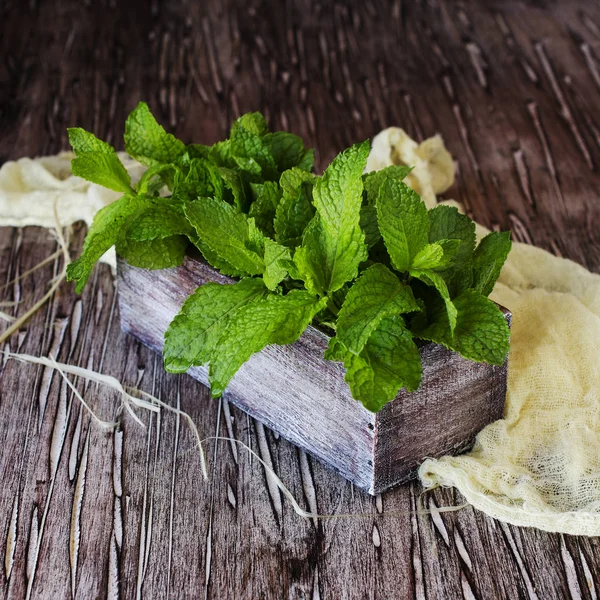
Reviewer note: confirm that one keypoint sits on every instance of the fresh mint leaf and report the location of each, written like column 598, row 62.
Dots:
column 288, row 151
column 438, row 255
column 220, row 154
column 488, row 259
column 251, row 152
column 307, row 162
column 194, row 332
column 102, row 235
column 375, row 295
column 446, row 223
column 157, row 253
column 403, row 222
column 264, row 207
column 432, row 323
column 389, row 361
column 226, row 232
column 161, row 218
column 213, row 259
column 252, row 169
column 429, row 257
column 256, row 238
column 276, row 258
column 234, row 192
column 450, row 248
column 153, row 178
column 251, row 206
column 290, row 267
column 199, row 178
column 336, row 351
column 372, row 181
column 198, row 150
column 435, row 280
column 273, row 319
column 97, row 161
column 295, row 209
column 481, row 333
column 83, row 141
column 147, row 141
column 369, row 224
column 253, row 122
column 333, row 243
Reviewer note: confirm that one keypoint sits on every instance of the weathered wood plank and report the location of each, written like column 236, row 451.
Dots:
column 300, row 395
column 494, row 78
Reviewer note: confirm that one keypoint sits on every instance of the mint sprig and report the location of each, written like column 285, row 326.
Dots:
column 358, row 255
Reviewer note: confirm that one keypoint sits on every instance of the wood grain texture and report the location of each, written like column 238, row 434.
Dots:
column 514, row 88
column 301, row 396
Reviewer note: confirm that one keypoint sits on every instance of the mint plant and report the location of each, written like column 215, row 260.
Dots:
column 357, row 255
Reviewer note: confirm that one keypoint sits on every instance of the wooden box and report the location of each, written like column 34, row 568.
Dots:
column 296, row 392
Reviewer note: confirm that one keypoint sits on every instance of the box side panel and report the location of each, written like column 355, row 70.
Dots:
column 456, row 400
column 291, row 389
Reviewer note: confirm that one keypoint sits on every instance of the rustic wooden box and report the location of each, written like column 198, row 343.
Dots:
column 296, row 392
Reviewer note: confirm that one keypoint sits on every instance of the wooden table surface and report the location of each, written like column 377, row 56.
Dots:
column 514, row 89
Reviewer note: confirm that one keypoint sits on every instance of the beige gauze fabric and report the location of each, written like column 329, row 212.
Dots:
column 540, row 465
column 42, row 191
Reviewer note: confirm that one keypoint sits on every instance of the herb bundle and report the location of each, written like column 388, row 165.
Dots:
column 357, row 255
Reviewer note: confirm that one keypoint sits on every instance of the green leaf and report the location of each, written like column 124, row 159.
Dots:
column 253, row 122
column 102, row 235
column 268, row 195
column 336, row 351
column 213, row 259
column 273, row 319
column 154, row 178
column 450, row 248
column 446, row 223
column 369, row 224
column 97, row 161
column 226, row 232
column 256, row 238
column 253, row 169
column 290, row 267
column 200, row 178
column 198, row 150
column 235, row 193
column 162, row 218
column 372, row 181
column 276, row 257
column 435, row 280
column 438, row 255
column 83, row 141
column 488, row 259
column 481, row 333
column 375, row 295
column 194, row 332
column 250, row 151
column 295, row 209
column 288, row 150
column 333, row 243
column 147, row 141
column 220, row 154
column 157, row 253
column 403, row 222
column 432, row 323
column 307, row 162
column 429, row 257
column 389, row 361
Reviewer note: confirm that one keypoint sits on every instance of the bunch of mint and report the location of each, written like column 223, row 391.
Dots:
column 357, row 255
